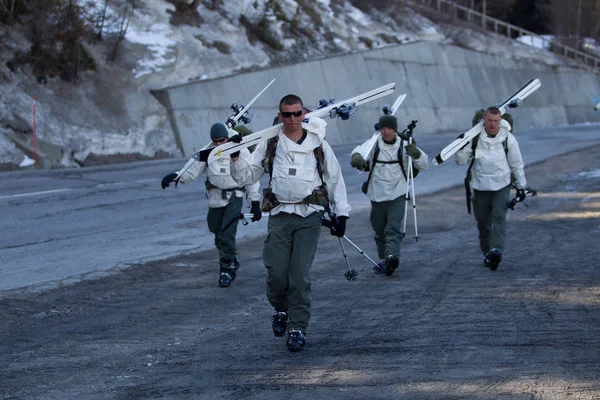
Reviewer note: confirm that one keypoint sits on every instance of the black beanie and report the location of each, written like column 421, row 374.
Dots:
column 218, row 131
column 388, row 121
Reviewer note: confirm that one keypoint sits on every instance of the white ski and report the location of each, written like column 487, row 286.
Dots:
column 231, row 122
column 226, row 149
column 463, row 139
column 371, row 144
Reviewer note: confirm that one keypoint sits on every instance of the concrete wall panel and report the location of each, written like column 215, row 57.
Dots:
column 445, row 84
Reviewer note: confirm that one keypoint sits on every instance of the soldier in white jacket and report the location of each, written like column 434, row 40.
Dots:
column 494, row 160
column 305, row 178
column 387, row 163
column 225, row 200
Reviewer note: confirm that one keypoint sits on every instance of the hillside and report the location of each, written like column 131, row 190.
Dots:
column 108, row 115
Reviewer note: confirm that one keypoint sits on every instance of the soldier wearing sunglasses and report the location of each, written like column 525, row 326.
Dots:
column 225, row 200
column 305, row 178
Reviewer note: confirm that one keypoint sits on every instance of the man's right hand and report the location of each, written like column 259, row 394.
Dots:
column 358, row 162
column 168, row 179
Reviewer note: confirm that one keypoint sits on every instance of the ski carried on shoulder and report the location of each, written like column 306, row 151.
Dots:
column 386, row 111
column 231, row 123
column 464, row 138
column 224, row 150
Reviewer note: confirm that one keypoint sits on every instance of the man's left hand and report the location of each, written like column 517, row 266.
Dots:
column 236, row 138
column 339, row 227
column 412, row 150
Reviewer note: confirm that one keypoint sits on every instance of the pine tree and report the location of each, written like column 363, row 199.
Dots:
column 533, row 15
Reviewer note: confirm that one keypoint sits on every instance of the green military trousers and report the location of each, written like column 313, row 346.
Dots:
column 386, row 220
column 288, row 254
column 489, row 208
column 217, row 219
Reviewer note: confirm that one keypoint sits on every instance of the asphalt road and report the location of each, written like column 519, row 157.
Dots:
column 442, row 327
column 61, row 226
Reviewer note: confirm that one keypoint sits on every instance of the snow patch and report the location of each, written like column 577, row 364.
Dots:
column 156, row 37
column 26, row 161
column 590, row 174
column 539, row 42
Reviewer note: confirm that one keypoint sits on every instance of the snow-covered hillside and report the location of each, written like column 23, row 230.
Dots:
column 110, row 111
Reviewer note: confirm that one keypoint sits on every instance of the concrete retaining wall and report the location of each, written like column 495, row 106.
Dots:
column 445, row 85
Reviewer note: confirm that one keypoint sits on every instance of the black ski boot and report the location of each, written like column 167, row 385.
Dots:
column 236, row 262
column 379, row 268
column 296, row 340
column 279, row 322
column 391, row 263
column 227, row 272
column 486, row 260
column 494, row 256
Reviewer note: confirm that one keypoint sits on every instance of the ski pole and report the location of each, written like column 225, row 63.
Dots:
column 235, row 218
column 412, row 195
column 406, row 195
column 360, row 250
column 352, row 274
column 410, row 184
column 243, row 218
column 528, row 192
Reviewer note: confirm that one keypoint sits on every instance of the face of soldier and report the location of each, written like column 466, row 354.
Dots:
column 387, row 134
column 291, row 115
column 492, row 124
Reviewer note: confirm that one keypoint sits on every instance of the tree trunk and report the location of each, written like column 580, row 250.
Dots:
column 195, row 4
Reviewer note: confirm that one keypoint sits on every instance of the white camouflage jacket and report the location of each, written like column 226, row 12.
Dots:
column 387, row 180
column 295, row 173
column 219, row 175
column 493, row 166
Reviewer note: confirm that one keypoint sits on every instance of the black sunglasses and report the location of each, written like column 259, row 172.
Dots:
column 287, row 114
column 219, row 140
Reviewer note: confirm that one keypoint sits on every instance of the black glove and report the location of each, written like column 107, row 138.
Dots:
column 168, row 179
column 255, row 209
column 521, row 194
column 339, row 227
column 236, row 138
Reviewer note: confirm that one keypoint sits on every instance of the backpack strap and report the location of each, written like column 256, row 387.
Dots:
column 375, row 161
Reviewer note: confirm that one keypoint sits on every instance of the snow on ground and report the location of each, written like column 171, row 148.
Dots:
column 590, row 174
column 161, row 54
column 539, row 42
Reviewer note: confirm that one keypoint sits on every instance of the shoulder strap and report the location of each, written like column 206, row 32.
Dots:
column 320, row 156
column 270, row 156
column 374, row 161
column 372, row 167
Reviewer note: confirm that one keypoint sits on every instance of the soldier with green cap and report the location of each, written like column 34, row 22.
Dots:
column 225, row 200
column 387, row 163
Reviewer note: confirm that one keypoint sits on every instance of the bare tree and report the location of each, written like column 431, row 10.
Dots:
column 195, row 4
column 126, row 15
